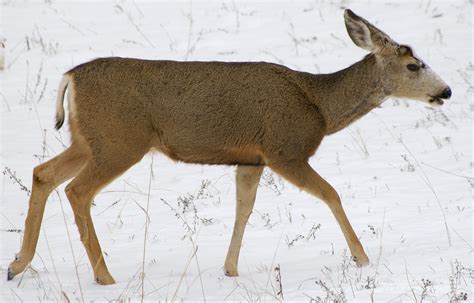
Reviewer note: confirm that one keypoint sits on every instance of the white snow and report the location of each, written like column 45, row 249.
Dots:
column 404, row 172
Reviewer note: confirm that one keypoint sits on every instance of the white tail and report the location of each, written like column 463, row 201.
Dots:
column 60, row 101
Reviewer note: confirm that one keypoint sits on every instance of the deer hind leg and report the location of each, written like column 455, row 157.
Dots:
column 247, row 178
column 46, row 177
column 81, row 191
column 303, row 176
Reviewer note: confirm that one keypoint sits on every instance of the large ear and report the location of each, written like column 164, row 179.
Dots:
column 367, row 36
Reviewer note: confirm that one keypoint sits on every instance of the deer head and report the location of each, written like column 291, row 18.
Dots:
column 404, row 74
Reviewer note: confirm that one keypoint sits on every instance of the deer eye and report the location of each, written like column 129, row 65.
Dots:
column 413, row 67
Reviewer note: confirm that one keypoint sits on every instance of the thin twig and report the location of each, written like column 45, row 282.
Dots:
column 447, row 172
column 138, row 8
column 72, row 26
column 199, row 270
column 379, row 256
column 139, row 29
column 193, row 253
column 467, row 243
column 294, row 39
column 273, row 262
column 428, row 183
column 108, row 207
column 70, row 246
column 6, row 102
column 237, row 13
column 11, row 289
column 409, row 284
column 25, row 99
column 171, row 44
column 147, row 223
column 425, row 179
column 10, row 222
column 52, row 261
column 120, row 297
column 190, row 32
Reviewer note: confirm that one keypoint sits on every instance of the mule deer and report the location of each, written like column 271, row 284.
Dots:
column 250, row 114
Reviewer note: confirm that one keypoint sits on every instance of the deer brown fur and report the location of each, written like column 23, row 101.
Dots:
column 251, row 114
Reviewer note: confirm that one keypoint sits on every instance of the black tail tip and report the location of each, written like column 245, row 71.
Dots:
column 59, row 124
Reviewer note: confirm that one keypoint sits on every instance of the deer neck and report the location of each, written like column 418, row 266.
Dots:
column 349, row 94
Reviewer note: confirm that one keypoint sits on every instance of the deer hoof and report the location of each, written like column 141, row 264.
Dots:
column 231, row 273
column 361, row 261
column 10, row 274
column 108, row 280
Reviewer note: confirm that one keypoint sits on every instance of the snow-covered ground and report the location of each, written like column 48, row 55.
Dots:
column 404, row 171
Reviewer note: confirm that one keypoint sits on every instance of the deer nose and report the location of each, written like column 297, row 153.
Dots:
column 446, row 94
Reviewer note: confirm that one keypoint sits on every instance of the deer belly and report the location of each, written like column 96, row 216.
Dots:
column 244, row 155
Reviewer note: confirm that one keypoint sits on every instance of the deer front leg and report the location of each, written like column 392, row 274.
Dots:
column 247, row 178
column 302, row 175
